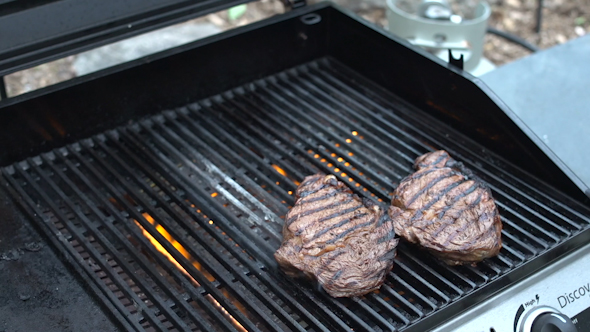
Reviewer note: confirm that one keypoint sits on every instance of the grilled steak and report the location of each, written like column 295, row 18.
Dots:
column 444, row 208
column 334, row 237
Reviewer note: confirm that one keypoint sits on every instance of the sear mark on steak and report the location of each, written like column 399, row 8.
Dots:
column 332, row 236
column 444, row 208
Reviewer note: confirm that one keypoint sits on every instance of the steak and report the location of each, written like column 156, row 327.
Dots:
column 332, row 236
column 447, row 210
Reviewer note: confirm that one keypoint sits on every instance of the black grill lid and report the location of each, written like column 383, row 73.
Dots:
column 37, row 31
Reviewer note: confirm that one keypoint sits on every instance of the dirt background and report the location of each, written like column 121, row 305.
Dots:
column 562, row 20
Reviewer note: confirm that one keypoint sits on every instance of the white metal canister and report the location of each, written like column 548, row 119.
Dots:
column 434, row 27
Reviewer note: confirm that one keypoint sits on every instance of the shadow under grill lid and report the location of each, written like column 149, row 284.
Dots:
column 175, row 218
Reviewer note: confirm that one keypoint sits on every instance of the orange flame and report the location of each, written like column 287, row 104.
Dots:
column 283, row 173
column 186, row 254
column 280, row 170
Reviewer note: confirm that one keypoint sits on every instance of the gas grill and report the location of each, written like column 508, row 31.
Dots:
column 163, row 183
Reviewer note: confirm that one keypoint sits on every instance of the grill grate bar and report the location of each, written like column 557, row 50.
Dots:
column 258, row 244
column 94, row 254
column 226, row 263
column 210, row 128
column 258, row 107
column 310, row 93
column 278, row 155
column 537, row 216
column 516, row 243
column 52, row 229
column 467, row 277
column 533, row 228
column 353, row 319
column 413, row 275
column 405, row 285
column 193, row 253
column 328, row 149
column 194, row 292
column 507, row 263
column 348, row 105
column 262, row 177
column 177, row 321
column 513, row 226
column 159, row 237
column 263, row 154
column 301, row 105
column 272, row 228
column 379, row 177
column 431, row 272
column 413, row 313
column 381, row 303
column 375, row 317
column 155, row 161
column 284, row 158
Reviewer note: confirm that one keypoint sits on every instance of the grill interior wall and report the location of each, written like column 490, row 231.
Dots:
column 176, row 217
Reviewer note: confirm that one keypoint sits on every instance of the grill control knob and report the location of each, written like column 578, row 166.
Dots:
column 553, row 322
column 545, row 319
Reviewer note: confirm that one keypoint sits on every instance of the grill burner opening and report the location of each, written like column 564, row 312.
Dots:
column 176, row 217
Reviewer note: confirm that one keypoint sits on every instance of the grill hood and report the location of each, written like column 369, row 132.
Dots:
column 33, row 32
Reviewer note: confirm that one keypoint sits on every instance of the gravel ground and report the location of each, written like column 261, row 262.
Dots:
column 562, row 20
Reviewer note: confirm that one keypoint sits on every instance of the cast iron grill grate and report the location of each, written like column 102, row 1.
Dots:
column 175, row 218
